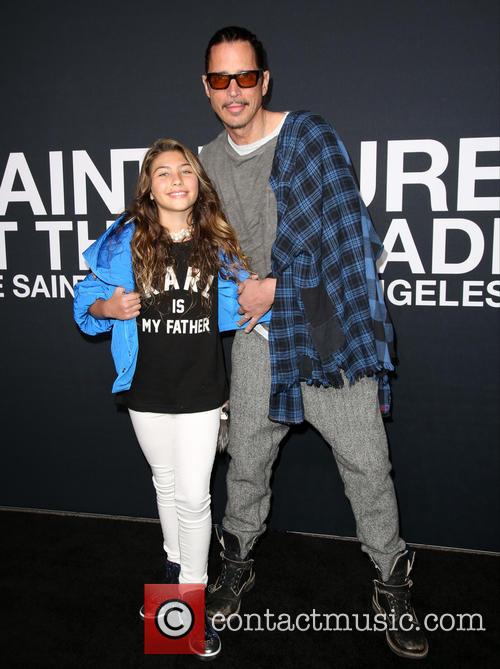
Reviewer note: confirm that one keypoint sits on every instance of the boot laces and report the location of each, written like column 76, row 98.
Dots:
column 399, row 598
column 230, row 573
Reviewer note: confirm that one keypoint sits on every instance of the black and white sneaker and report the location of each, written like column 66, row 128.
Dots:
column 172, row 571
column 211, row 646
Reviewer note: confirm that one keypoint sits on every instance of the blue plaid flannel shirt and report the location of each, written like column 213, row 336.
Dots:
column 324, row 255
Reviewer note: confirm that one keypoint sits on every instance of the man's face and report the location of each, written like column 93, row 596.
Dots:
column 235, row 106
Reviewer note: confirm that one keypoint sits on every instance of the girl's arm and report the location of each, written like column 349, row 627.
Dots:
column 121, row 305
column 97, row 305
column 87, row 293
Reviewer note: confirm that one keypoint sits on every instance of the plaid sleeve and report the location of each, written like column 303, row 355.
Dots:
column 325, row 236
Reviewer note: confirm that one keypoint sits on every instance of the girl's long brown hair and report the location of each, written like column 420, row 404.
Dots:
column 211, row 232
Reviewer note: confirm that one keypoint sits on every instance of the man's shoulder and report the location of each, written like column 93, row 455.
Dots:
column 306, row 121
column 214, row 147
column 306, row 132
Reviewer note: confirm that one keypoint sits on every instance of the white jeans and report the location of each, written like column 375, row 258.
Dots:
column 180, row 449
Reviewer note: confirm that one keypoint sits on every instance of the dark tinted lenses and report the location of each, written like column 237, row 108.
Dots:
column 220, row 81
column 247, row 79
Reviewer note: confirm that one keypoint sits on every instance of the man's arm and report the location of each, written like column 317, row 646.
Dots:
column 256, row 297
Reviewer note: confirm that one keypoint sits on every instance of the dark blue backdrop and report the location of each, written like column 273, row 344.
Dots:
column 117, row 75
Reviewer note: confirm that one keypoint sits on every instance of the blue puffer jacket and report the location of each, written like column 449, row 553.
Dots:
column 110, row 261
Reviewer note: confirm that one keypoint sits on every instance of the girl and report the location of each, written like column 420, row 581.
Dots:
column 170, row 262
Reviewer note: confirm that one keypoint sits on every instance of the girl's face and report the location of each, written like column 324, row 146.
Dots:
column 174, row 184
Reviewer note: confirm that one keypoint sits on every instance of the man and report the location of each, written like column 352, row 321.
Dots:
column 288, row 189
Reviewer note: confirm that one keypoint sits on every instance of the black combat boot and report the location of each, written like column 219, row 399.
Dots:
column 393, row 599
column 172, row 571
column 236, row 577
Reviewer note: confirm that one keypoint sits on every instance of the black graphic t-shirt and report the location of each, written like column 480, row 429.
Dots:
column 180, row 366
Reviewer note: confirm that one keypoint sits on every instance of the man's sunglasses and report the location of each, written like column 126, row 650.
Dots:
column 220, row 81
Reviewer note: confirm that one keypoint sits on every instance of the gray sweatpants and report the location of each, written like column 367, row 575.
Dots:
column 349, row 420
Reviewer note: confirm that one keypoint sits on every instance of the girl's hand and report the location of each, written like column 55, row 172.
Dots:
column 121, row 306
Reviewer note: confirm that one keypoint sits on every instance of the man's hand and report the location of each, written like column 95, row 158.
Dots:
column 256, row 296
column 121, row 305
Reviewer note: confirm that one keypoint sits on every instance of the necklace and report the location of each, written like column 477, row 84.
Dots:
column 180, row 234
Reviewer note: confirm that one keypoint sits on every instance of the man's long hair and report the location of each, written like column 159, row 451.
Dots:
column 238, row 34
column 210, row 231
